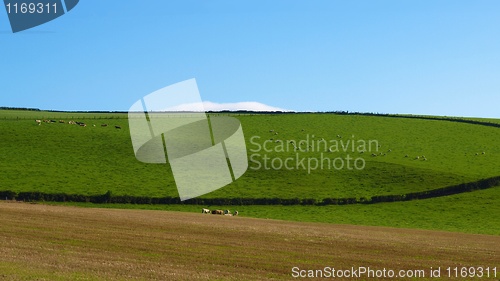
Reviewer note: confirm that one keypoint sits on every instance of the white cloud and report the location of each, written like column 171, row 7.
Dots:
column 213, row 106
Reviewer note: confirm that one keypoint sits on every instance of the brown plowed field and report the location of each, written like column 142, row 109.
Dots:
column 41, row 242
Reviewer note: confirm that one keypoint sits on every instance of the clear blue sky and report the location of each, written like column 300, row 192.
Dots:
column 420, row 57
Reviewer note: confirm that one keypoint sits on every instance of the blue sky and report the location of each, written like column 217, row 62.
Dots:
column 419, row 57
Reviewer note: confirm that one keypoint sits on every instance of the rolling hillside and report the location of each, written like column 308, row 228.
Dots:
column 66, row 158
column 62, row 158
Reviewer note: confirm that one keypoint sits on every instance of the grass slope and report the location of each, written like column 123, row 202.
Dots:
column 91, row 160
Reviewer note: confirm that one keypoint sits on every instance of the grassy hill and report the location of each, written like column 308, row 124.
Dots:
column 91, row 160
column 58, row 157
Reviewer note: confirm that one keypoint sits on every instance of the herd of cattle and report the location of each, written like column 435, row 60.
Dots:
column 81, row 124
column 219, row 212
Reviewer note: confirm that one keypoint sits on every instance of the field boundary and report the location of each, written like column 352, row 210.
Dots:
column 124, row 115
column 36, row 196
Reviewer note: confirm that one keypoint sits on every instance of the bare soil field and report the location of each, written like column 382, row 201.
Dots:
column 41, row 242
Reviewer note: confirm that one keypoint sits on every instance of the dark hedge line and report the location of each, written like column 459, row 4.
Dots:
column 245, row 112
column 18, row 108
column 125, row 199
column 450, row 119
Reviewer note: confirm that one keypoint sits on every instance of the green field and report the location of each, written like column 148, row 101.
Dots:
column 469, row 212
column 59, row 157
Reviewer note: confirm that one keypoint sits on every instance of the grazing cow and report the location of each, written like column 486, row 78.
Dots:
column 416, row 158
column 217, row 212
column 484, row 152
column 235, row 213
column 61, row 121
column 227, row 212
column 72, row 122
column 118, row 127
column 83, row 125
column 205, row 211
column 39, row 122
column 104, row 125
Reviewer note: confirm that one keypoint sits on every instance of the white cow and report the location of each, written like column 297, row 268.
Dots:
column 205, row 211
